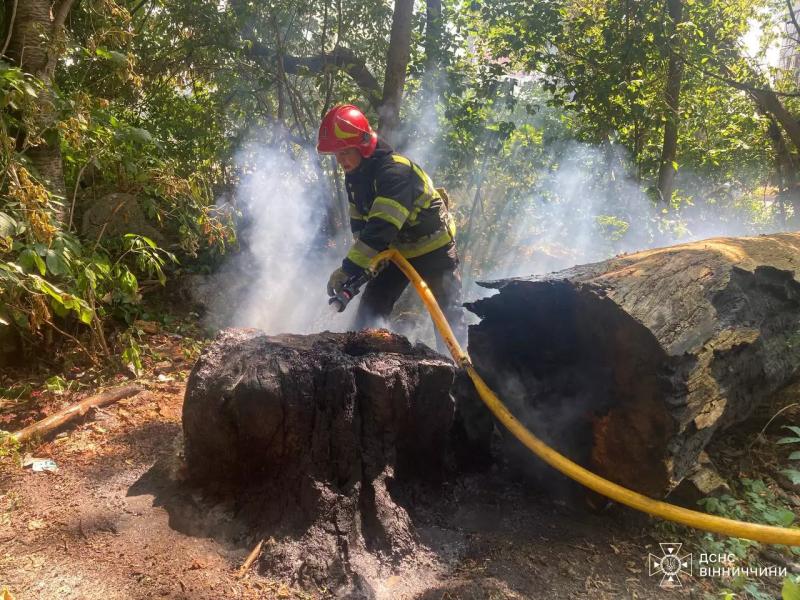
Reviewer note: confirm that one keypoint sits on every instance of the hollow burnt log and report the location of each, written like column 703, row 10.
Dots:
column 631, row 365
column 324, row 431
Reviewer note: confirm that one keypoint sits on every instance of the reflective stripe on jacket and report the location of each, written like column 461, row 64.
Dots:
column 393, row 203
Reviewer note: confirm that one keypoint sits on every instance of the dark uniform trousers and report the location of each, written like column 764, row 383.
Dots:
column 439, row 269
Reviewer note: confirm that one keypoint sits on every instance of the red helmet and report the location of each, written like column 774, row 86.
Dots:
column 345, row 126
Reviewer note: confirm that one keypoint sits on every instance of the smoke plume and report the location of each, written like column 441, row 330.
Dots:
column 288, row 208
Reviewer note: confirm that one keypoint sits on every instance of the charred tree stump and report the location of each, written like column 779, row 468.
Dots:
column 631, row 365
column 324, row 431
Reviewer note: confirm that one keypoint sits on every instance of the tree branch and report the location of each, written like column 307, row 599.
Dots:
column 793, row 16
column 48, row 424
column 767, row 99
column 61, row 14
column 739, row 85
column 10, row 28
column 138, row 7
column 340, row 58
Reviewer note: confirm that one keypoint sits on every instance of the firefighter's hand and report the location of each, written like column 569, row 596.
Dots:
column 336, row 281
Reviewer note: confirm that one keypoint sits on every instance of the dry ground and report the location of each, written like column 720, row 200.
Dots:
column 118, row 521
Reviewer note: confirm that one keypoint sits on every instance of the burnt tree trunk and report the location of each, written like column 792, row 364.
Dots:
column 324, row 432
column 631, row 365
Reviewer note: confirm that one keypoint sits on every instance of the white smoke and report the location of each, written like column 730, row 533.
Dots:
column 590, row 208
column 286, row 199
column 575, row 215
column 586, row 206
column 421, row 131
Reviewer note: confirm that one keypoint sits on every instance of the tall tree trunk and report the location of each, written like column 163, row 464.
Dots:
column 433, row 49
column 32, row 45
column 428, row 121
column 666, row 171
column 786, row 172
column 769, row 102
column 396, row 63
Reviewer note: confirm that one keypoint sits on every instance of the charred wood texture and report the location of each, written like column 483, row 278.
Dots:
column 326, row 431
column 631, row 365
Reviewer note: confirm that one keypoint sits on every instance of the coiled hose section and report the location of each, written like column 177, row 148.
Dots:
column 761, row 533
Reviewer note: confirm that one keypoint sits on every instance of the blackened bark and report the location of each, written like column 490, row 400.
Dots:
column 325, row 430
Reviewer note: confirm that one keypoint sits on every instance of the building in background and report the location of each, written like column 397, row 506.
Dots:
column 789, row 57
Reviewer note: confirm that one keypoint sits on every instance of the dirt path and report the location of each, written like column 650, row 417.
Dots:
column 117, row 521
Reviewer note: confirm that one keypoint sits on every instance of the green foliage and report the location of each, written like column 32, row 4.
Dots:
column 790, row 590
column 604, row 66
column 9, row 446
column 52, row 281
column 613, row 227
column 56, row 384
column 155, row 100
column 752, row 502
column 131, row 350
column 792, row 474
column 754, row 590
column 756, row 503
column 47, row 275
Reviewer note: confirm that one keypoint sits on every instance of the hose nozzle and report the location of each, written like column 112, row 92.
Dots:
column 350, row 289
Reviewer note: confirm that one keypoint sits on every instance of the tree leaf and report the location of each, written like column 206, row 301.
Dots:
column 30, row 260
column 56, row 263
column 39, row 264
column 118, row 58
column 86, row 315
column 58, row 307
column 139, row 135
column 8, row 226
column 790, row 590
column 792, row 475
column 779, row 516
column 29, row 89
column 48, row 288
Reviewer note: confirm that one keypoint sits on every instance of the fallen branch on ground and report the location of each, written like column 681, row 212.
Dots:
column 251, row 558
column 52, row 422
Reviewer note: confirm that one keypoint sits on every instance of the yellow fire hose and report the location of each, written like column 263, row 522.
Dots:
column 752, row 531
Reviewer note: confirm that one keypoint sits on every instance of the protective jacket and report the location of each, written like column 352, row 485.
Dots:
column 393, row 203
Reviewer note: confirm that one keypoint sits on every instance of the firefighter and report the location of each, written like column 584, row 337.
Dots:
column 393, row 203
